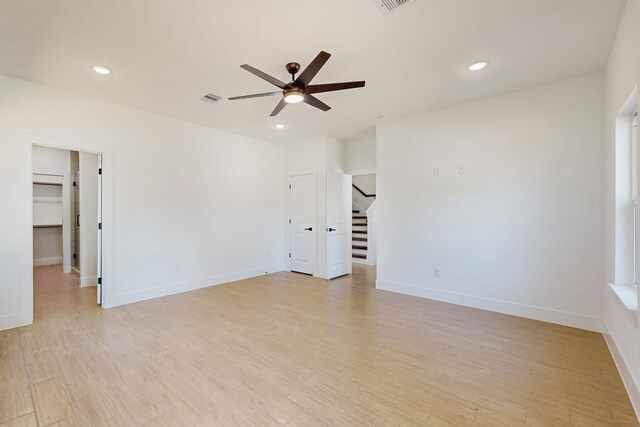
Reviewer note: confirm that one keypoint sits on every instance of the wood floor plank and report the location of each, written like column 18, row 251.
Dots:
column 15, row 400
column 289, row 349
column 53, row 401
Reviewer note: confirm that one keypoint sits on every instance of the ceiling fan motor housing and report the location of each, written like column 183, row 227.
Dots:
column 293, row 68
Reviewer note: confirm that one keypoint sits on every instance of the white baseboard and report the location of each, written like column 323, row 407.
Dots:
column 359, row 261
column 176, row 288
column 47, row 261
column 627, row 379
column 14, row 320
column 575, row 320
column 88, row 281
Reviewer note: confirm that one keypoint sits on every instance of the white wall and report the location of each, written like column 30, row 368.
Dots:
column 175, row 194
column 521, row 229
column 88, row 173
column 50, row 161
column 47, row 210
column 360, row 156
column 621, row 77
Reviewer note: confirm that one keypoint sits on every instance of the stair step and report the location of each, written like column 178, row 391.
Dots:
column 363, row 247
column 359, row 216
column 359, row 239
column 359, row 231
column 355, row 211
column 359, row 224
column 359, row 256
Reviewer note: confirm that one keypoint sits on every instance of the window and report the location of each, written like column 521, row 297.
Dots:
column 626, row 194
column 634, row 194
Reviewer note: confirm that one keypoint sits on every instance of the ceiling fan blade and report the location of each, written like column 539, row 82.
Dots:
column 312, row 69
column 330, row 87
column 257, row 95
column 315, row 102
column 264, row 76
column 279, row 107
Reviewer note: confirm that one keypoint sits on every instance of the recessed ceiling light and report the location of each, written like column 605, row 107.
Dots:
column 279, row 126
column 477, row 66
column 101, row 69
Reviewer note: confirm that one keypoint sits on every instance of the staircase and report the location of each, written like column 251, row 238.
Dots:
column 359, row 236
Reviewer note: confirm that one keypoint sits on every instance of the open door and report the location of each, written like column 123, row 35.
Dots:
column 338, row 224
column 99, row 290
column 303, row 223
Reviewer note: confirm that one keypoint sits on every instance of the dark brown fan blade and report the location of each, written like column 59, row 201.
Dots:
column 315, row 102
column 279, row 107
column 257, row 95
column 330, row 87
column 264, row 76
column 310, row 72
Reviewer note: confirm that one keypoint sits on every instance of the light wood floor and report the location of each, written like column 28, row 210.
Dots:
column 288, row 349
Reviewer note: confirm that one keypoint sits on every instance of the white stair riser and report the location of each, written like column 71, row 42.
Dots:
column 359, row 224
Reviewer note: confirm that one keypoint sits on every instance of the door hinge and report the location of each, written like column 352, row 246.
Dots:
column 99, row 280
column 289, row 220
column 100, row 171
column 289, row 186
column 289, row 254
column 74, row 183
column 99, row 226
column 75, row 256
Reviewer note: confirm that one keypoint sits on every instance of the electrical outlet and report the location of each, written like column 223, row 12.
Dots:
column 436, row 272
column 436, row 172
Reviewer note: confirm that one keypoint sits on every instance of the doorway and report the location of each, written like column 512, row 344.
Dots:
column 364, row 241
column 67, row 216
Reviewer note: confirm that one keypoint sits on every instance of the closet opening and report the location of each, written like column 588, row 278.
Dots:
column 67, row 226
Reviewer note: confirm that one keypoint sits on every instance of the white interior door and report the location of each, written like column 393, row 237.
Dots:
column 338, row 224
column 99, row 250
column 303, row 223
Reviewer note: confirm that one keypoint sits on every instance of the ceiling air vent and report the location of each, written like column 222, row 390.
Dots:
column 211, row 97
column 388, row 6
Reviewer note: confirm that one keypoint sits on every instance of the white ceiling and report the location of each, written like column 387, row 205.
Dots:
column 166, row 54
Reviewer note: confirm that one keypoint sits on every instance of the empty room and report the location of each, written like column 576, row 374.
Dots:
column 319, row 213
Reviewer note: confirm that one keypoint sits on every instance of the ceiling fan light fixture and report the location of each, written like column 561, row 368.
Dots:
column 294, row 96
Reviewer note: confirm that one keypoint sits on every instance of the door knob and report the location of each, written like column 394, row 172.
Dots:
column 331, row 229
column 308, row 229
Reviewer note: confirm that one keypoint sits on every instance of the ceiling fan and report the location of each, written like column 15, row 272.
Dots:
column 299, row 89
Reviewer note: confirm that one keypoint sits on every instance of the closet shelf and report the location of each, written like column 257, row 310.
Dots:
column 47, row 225
column 55, row 184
